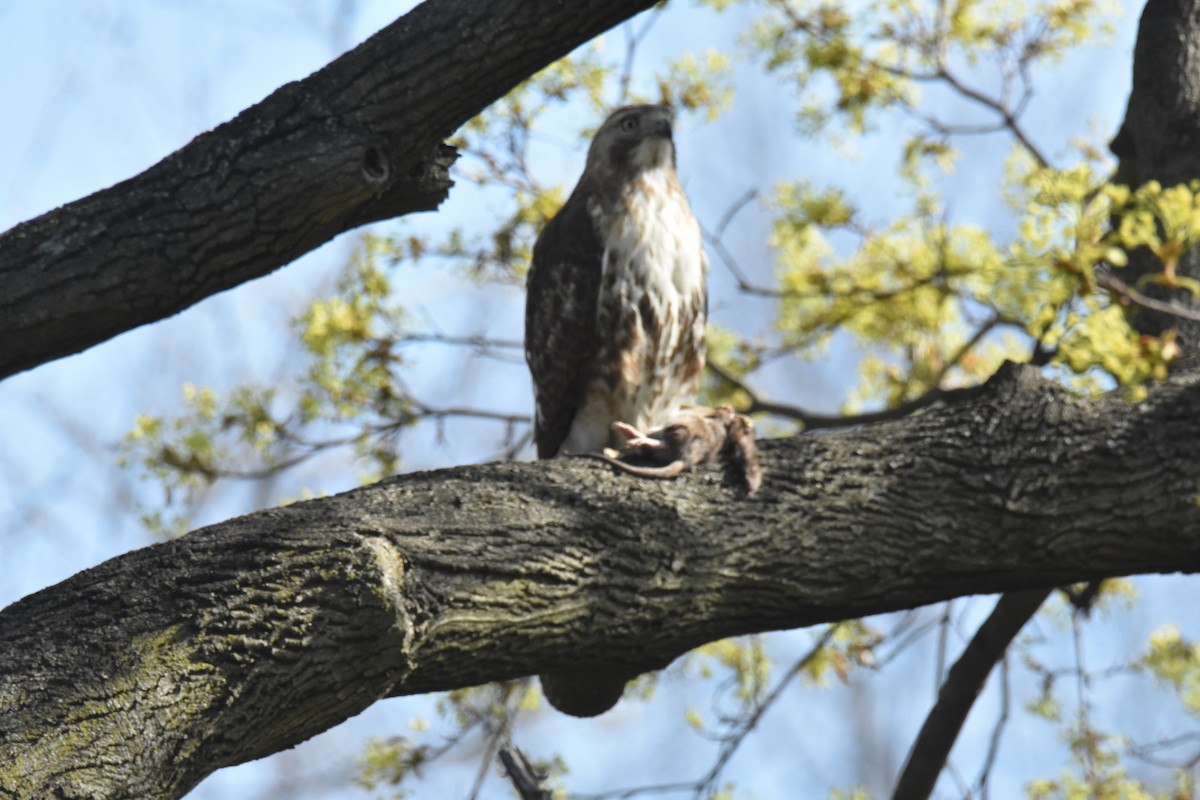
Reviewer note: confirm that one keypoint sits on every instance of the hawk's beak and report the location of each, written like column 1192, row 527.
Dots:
column 661, row 127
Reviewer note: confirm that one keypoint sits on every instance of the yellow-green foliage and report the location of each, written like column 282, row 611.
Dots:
column 852, row 60
column 931, row 301
column 349, row 337
column 855, row 794
column 698, row 83
column 851, row 644
column 1175, row 661
column 350, row 341
column 923, row 295
column 1098, row 776
column 745, row 659
column 387, row 762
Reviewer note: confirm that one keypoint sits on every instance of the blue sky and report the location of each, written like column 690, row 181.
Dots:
column 96, row 92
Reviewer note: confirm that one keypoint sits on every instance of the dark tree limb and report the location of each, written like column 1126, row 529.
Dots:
column 963, row 685
column 525, row 780
column 247, row 637
column 356, row 142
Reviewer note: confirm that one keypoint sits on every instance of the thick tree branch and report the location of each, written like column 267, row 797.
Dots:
column 356, row 142
column 246, row 637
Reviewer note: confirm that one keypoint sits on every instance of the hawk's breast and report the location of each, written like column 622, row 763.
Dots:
column 650, row 314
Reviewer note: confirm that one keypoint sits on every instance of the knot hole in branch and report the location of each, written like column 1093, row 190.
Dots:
column 375, row 167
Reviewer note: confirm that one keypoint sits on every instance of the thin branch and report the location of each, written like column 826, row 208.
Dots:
column 998, row 107
column 1083, row 711
column 496, row 718
column 493, row 747
column 637, row 791
column 516, row 445
column 734, row 210
column 905, row 640
column 500, row 350
column 995, row 321
column 964, row 790
column 731, row 742
column 1105, row 279
column 715, row 240
column 307, row 448
column 632, row 39
column 814, row 421
column 750, row 723
column 997, row 732
column 1148, row 753
column 942, row 642
column 477, row 340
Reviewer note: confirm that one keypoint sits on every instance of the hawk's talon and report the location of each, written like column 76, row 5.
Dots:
column 635, row 440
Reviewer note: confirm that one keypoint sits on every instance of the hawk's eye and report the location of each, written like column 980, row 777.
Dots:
column 629, row 124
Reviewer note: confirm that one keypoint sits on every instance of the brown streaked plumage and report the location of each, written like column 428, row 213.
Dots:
column 616, row 306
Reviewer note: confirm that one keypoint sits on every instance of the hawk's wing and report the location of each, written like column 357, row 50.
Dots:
column 560, row 320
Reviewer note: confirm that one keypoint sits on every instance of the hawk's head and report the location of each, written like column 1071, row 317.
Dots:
column 633, row 139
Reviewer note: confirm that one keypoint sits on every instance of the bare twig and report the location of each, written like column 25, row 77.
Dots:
column 632, row 39
column 814, row 421
column 495, row 737
column 305, row 449
column 1083, row 685
column 1149, row 752
column 731, row 742
column 1105, row 279
column 943, row 641
column 997, row 731
column 479, row 341
column 745, row 726
column 715, row 240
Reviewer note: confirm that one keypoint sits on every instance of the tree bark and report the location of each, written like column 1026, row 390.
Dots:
column 356, row 142
column 1159, row 140
column 140, row 676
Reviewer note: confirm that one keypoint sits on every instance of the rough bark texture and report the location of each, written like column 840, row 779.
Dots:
column 1159, row 139
column 139, row 677
column 358, row 141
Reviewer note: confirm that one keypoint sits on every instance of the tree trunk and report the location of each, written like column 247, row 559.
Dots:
column 1159, row 140
column 356, row 142
column 139, row 677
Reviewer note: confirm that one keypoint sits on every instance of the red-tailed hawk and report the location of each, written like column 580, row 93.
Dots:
column 616, row 305
column 614, row 319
